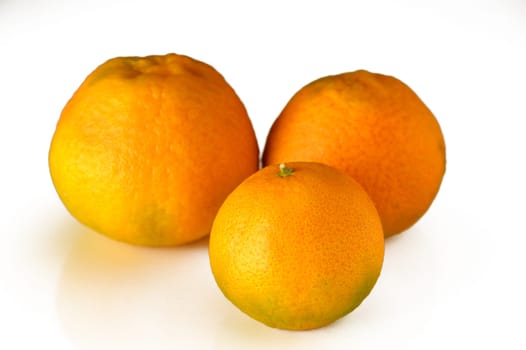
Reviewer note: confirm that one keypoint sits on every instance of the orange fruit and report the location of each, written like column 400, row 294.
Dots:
column 297, row 246
column 374, row 128
column 147, row 149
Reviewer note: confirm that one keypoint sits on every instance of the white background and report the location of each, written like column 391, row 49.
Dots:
column 455, row 280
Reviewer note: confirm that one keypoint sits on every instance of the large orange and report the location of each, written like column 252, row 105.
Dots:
column 297, row 246
column 377, row 130
column 147, row 149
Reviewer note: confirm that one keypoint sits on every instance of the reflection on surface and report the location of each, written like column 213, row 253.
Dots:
column 113, row 295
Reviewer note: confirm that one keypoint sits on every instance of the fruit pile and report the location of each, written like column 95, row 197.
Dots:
column 160, row 151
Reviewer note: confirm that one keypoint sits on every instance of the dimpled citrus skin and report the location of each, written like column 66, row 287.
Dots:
column 374, row 128
column 297, row 252
column 147, row 149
